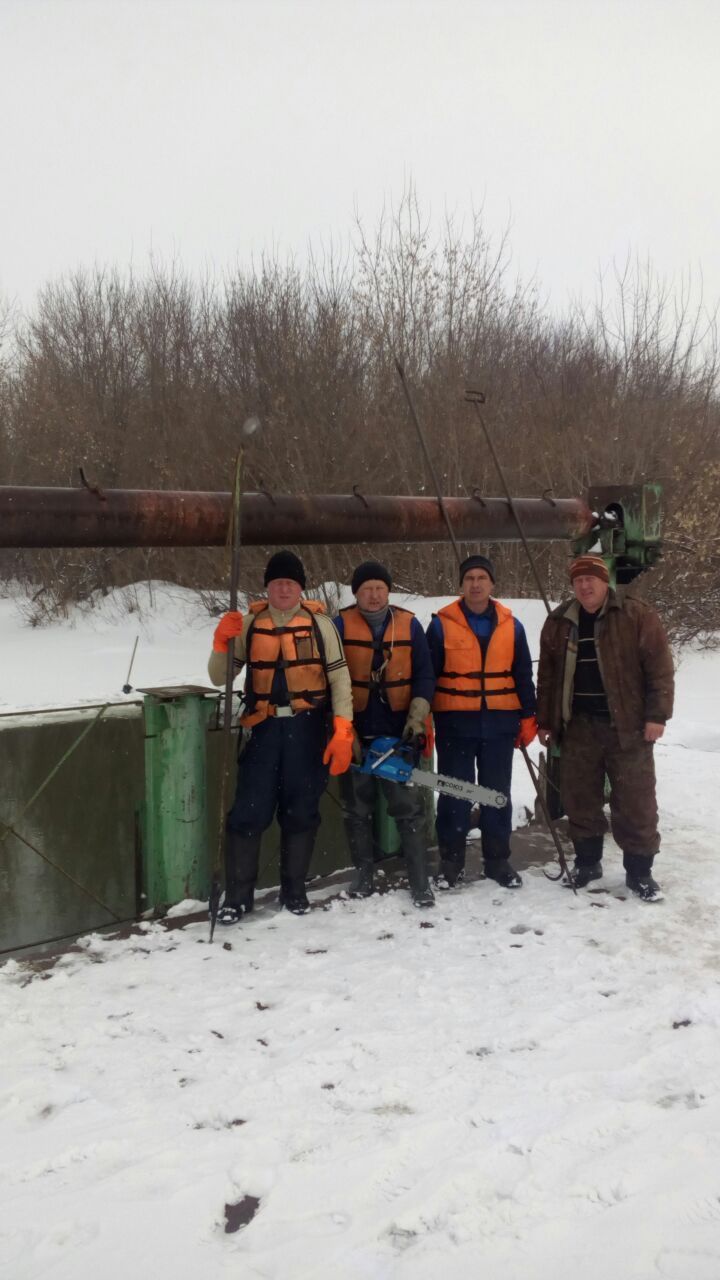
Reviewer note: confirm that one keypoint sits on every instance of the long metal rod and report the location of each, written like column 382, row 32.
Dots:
column 46, row 517
column 427, row 455
column 235, row 544
column 477, row 398
column 564, row 869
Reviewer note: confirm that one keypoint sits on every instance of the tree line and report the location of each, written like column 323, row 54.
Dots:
column 144, row 381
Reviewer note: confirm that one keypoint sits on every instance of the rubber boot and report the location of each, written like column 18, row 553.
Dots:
column 360, row 840
column 451, row 872
column 588, row 860
column 295, row 858
column 242, row 855
column 638, row 876
column 496, row 857
column 414, row 847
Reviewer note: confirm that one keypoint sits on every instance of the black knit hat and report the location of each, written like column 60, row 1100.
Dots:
column 370, row 571
column 477, row 562
column 285, row 564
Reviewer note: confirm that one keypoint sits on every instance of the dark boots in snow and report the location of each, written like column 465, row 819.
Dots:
column 496, row 856
column 360, row 839
column 414, row 847
column 451, row 873
column 639, row 879
column 242, row 854
column 363, row 885
column 588, row 861
column 296, row 854
column 503, row 873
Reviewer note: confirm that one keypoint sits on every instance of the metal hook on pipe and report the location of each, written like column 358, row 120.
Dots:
column 91, row 488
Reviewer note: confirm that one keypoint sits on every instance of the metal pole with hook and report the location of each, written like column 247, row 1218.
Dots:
column 476, row 397
column 473, row 396
column 249, row 428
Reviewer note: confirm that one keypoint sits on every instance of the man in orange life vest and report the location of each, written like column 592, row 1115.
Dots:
column 295, row 667
column 392, row 683
column 484, row 706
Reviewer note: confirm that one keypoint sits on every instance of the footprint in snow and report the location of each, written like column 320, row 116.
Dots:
column 240, row 1214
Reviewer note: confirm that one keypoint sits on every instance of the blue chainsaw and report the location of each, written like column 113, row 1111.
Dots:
column 396, row 761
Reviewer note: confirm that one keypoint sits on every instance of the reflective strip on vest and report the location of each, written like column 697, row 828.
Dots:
column 466, row 683
column 394, row 677
column 294, row 648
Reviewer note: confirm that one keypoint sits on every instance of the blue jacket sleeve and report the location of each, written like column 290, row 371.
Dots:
column 523, row 673
column 338, row 625
column 436, row 645
column 423, row 675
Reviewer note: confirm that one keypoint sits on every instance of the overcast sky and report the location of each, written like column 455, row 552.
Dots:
column 214, row 129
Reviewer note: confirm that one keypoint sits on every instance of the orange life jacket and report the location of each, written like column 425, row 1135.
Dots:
column 296, row 648
column 394, row 676
column 464, row 683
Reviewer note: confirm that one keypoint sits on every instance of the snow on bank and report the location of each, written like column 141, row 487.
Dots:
column 530, row 1087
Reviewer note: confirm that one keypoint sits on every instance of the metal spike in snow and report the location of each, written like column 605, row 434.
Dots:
column 394, row 760
column 249, row 427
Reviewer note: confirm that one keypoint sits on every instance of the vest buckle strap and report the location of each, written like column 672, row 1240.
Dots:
column 283, row 712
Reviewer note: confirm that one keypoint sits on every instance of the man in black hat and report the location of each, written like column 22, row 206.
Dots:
column 295, row 669
column 392, row 684
column 484, row 706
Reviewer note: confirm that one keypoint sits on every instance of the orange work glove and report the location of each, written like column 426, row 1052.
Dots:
column 429, row 747
column 339, row 750
column 229, row 626
column 528, row 731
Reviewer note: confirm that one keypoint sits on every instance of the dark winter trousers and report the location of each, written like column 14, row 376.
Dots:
column 358, row 794
column 281, row 768
column 591, row 749
column 492, row 758
column 405, row 804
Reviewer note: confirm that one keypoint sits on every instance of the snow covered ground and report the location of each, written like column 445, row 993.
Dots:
column 513, row 1085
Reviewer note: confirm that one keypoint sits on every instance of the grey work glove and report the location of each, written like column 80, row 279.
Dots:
column 414, row 730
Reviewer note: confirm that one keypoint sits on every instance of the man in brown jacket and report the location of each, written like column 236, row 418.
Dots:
column 605, row 692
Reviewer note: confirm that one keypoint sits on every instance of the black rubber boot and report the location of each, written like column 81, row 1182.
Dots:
column 639, row 879
column 361, row 849
column 503, row 874
column 451, row 873
column 363, row 884
column 242, row 855
column 588, row 860
column 295, row 858
column 414, row 847
column 496, row 856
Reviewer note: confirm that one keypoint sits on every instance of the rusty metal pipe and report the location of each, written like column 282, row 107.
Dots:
column 48, row 517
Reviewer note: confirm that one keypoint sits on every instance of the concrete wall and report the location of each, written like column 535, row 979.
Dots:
column 88, row 821
column 85, row 821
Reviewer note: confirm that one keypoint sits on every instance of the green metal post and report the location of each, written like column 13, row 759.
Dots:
column 175, row 828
